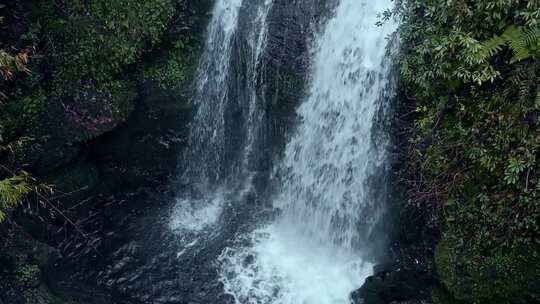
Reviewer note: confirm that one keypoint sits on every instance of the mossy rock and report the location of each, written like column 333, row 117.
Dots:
column 173, row 67
column 446, row 266
column 92, row 112
column 42, row 295
column 494, row 277
column 441, row 295
column 95, row 41
column 28, row 274
column 22, row 114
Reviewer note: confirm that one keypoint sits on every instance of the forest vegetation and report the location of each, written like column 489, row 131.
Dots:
column 470, row 73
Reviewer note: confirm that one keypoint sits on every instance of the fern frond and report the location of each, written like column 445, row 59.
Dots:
column 521, row 41
column 521, row 52
column 515, row 78
column 532, row 36
column 524, row 89
column 537, row 100
column 12, row 192
column 519, row 74
column 519, row 46
column 511, row 33
column 490, row 48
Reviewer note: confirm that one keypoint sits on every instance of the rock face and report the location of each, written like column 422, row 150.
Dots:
column 408, row 277
column 394, row 284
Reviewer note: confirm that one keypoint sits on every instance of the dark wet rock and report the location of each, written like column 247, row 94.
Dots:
column 384, row 267
column 395, row 285
column 22, row 264
column 406, row 276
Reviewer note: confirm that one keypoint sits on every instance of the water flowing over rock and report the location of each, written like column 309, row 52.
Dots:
column 315, row 250
column 227, row 139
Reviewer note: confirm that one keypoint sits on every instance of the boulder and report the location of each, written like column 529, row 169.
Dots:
column 394, row 285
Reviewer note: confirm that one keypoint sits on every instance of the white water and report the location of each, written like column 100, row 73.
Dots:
column 212, row 175
column 207, row 133
column 201, row 209
column 313, row 252
column 257, row 43
column 193, row 215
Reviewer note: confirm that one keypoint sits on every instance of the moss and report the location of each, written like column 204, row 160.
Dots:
column 94, row 111
column 88, row 65
column 42, row 295
column 28, row 272
column 441, row 295
column 91, row 46
column 94, row 41
column 22, row 115
column 173, row 68
column 470, row 276
column 446, row 267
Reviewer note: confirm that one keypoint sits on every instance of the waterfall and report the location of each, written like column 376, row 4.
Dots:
column 227, row 130
column 314, row 251
column 207, row 142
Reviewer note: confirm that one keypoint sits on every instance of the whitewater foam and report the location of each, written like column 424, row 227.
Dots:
column 284, row 268
column 194, row 215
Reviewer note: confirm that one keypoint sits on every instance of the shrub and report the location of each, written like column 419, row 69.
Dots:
column 93, row 41
column 471, row 70
column 174, row 68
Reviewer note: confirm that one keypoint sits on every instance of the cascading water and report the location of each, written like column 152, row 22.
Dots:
column 195, row 211
column 228, row 124
column 314, row 250
column 207, row 145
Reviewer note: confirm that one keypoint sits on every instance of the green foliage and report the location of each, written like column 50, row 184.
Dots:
column 12, row 192
column 474, row 149
column 439, row 295
column 27, row 273
column 524, row 42
column 174, row 68
column 22, row 114
column 77, row 77
column 86, row 49
column 87, row 53
column 94, row 40
column 11, row 64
